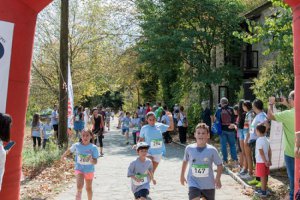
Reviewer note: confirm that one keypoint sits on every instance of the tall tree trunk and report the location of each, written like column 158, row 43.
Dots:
column 211, row 96
column 63, row 81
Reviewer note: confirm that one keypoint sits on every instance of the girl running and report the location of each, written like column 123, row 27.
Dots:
column 98, row 125
column 86, row 155
column 36, row 128
column 78, row 122
column 136, row 125
column 152, row 135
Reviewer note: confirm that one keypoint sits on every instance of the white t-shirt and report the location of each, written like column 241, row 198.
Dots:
column 264, row 144
column 259, row 118
column 180, row 120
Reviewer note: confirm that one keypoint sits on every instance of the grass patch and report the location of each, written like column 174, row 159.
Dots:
column 36, row 159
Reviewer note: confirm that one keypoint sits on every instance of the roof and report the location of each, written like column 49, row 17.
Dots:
column 256, row 12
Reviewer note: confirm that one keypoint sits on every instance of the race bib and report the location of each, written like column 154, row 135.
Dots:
column 200, row 171
column 156, row 144
column 48, row 133
column 77, row 118
column 83, row 159
column 126, row 125
column 143, row 179
column 136, row 128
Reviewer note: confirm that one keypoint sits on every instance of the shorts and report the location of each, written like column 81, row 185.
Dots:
column 55, row 127
column 141, row 193
column 262, row 170
column 156, row 158
column 87, row 176
column 124, row 130
column 208, row 194
column 242, row 133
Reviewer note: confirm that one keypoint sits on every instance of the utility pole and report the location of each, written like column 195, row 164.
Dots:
column 63, row 78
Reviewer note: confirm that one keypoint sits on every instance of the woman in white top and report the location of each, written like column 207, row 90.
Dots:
column 5, row 123
column 182, row 125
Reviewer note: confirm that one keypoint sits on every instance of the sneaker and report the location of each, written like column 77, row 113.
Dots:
column 243, row 172
column 246, row 176
column 253, row 182
column 261, row 193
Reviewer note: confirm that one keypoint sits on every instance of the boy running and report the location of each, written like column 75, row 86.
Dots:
column 141, row 173
column 200, row 156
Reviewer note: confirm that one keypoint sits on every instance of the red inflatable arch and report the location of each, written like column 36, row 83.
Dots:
column 295, row 4
column 23, row 14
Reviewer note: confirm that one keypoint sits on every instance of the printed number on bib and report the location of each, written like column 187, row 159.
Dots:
column 77, row 118
column 83, row 159
column 143, row 179
column 156, row 144
column 200, row 171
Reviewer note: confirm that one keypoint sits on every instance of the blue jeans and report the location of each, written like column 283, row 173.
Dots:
column 228, row 137
column 290, row 168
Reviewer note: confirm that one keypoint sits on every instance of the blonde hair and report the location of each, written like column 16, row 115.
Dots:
column 203, row 126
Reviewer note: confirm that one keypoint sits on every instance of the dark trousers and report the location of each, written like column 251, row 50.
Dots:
column 167, row 137
column 38, row 139
column 182, row 134
column 134, row 136
column 100, row 138
column 44, row 143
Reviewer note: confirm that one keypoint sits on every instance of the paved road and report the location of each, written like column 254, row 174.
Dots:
column 111, row 183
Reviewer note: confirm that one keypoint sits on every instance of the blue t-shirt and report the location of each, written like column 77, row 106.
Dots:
column 153, row 137
column 126, row 122
column 47, row 128
column 82, row 156
column 200, row 160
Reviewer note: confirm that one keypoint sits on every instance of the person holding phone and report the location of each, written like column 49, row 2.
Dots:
column 5, row 124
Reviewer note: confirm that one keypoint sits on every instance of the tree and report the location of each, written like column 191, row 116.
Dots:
column 63, row 78
column 179, row 37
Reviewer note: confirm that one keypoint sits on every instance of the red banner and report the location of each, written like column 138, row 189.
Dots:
column 23, row 14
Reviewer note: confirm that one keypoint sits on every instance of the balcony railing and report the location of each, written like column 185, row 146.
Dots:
column 250, row 60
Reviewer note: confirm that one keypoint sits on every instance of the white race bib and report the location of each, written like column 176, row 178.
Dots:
column 156, row 144
column 143, row 179
column 200, row 171
column 77, row 118
column 83, row 159
column 252, row 129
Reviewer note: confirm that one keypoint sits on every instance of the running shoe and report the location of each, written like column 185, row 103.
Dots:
column 243, row 172
column 261, row 193
column 246, row 176
column 253, row 182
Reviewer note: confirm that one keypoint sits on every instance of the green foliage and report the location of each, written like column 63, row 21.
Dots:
column 179, row 37
column 36, row 159
column 113, row 100
column 274, row 78
column 275, row 34
column 193, row 116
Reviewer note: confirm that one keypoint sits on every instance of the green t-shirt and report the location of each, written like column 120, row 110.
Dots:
column 287, row 118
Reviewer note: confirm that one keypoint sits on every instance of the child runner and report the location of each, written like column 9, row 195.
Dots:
column 263, row 155
column 78, row 122
column 200, row 156
column 98, row 124
column 36, row 128
column 152, row 135
column 107, row 119
column 136, row 125
column 47, row 128
column 86, row 155
column 141, row 173
column 125, row 126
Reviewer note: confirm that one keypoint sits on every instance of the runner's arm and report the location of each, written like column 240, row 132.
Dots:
column 183, row 169
column 218, row 176
column 65, row 154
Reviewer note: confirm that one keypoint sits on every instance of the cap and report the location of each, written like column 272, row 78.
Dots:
column 142, row 145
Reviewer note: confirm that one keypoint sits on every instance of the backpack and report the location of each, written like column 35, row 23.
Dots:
column 216, row 127
column 226, row 116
